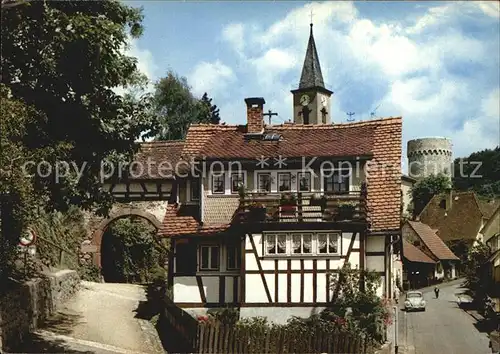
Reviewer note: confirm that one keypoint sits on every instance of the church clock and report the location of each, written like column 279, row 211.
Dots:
column 305, row 100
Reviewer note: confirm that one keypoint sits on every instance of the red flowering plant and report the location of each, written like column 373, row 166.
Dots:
column 205, row 319
column 356, row 305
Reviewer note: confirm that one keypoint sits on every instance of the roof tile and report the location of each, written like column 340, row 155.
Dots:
column 432, row 241
column 413, row 254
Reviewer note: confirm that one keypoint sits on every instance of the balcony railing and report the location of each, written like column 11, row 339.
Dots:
column 298, row 207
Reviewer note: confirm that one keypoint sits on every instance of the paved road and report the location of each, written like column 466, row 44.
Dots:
column 99, row 319
column 442, row 328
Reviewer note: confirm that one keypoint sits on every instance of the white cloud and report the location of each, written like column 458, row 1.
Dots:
column 491, row 8
column 210, row 77
column 323, row 13
column 234, row 34
column 145, row 64
column 442, row 79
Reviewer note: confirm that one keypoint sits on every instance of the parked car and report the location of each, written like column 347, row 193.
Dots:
column 414, row 301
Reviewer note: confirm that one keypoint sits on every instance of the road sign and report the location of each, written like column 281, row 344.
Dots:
column 28, row 238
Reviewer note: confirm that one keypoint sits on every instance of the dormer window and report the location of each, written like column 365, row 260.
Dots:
column 284, row 182
column 336, row 182
column 304, row 179
column 237, row 180
column 264, row 182
column 218, row 185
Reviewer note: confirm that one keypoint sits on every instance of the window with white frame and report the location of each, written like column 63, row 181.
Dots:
column 276, row 244
column 233, row 257
column 327, row 243
column 264, row 182
column 284, row 182
column 209, row 257
column 218, row 185
column 302, row 244
column 304, row 179
column 237, row 180
column 336, row 181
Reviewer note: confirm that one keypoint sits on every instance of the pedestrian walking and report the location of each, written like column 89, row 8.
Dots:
column 396, row 294
column 436, row 292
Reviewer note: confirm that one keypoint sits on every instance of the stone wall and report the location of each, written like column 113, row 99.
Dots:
column 25, row 306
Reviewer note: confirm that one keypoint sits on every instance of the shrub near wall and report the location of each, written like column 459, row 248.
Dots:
column 25, row 306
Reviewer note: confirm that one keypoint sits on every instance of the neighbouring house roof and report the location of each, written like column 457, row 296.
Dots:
column 488, row 208
column 175, row 224
column 432, row 241
column 460, row 222
column 160, row 156
column 378, row 139
column 413, row 254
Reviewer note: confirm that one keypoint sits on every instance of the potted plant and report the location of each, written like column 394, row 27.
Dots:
column 242, row 193
column 346, row 210
column 288, row 203
column 257, row 211
column 318, row 200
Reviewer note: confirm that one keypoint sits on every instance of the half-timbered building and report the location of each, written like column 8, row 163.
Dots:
column 265, row 215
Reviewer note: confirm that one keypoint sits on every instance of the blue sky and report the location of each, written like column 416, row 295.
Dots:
column 434, row 63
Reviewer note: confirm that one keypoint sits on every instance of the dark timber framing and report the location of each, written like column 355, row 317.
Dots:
column 259, row 265
column 200, row 288
column 238, row 287
column 156, row 193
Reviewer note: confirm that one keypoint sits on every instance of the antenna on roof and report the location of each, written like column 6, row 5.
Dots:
column 350, row 114
column 372, row 114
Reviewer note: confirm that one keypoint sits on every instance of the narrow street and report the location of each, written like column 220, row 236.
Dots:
column 100, row 319
column 443, row 327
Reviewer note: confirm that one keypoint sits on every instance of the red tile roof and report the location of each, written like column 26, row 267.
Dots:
column 157, row 159
column 177, row 225
column 413, row 254
column 230, row 142
column 432, row 241
column 379, row 139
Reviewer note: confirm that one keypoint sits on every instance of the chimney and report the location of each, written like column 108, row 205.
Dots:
column 255, row 118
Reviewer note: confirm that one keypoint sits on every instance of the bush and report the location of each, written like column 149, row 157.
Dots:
column 364, row 312
column 227, row 316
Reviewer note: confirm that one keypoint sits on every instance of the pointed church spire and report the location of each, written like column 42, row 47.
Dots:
column 311, row 71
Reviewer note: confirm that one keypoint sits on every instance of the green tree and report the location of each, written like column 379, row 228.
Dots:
column 476, row 272
column 484, row 180
column 63, row 58
column 17, row 191
column 131, row 251
column 60, row 62
column 423, row 191
column 177, row 107
column 210, row 112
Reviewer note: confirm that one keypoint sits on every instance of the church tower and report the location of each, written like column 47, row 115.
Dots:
column 311, row 101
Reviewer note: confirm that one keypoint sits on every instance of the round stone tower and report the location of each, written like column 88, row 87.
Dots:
column 428, row 156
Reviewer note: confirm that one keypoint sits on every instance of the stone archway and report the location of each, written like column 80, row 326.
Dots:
column 91, row 248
